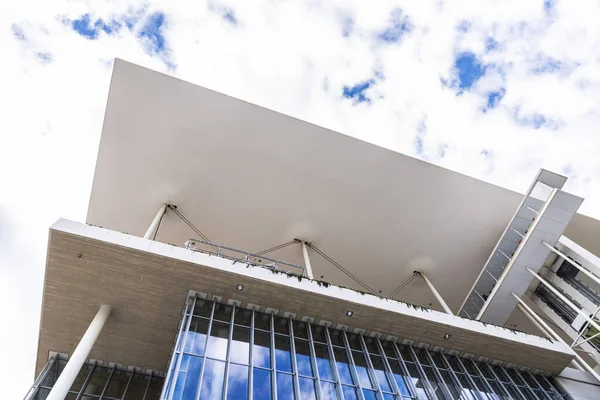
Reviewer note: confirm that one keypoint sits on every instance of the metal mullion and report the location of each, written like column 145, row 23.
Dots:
column 389, row 372
column 187, row 313
column 128, row 383
column 293, row 354
column 503, row 385
column 357, row 384
column 250, row 358
column 370, row 368
column 485, row 382
column 203, row 363
column 273, row 366
column 336, row 372
column 112, row 372
column 518, row 386
column 424, row 376
column 228, row 356
column 180, row 351
column 527, row 386
column 543, row 391
column 437, row 372
column 411, row 386
column 552, row 387
column 148, row 384
column 451, row 372
column 313, row 360
column 43, row 373
column 87, row 381
column 469, row 378
column 496, row 379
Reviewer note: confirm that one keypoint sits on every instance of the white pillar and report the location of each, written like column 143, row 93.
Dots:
column 307, row 266
column 151, row 232
column 436, row 294
column 573, row 263
column 529, row 313
column 79, row 356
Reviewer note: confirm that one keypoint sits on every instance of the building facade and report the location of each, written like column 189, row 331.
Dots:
column 232, row 252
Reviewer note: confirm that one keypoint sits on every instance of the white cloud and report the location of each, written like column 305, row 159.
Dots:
column 293, row 57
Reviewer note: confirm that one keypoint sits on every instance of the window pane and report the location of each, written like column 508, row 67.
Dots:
column 372, row 346
column 283, row 360
column 196, row 337
column 300, row 330
column 261, row 384
column 242, row 317
column 434, row 382
column 336, row 337
column 203, row 308
column 303, row 358
column 217, row 341
column 223, row 312
column 282, row 325
column 212, row 382
column 369, row 394
column 349, row 393
column 354, row 341
column 285, row 387
column 418, row 383
column 261, row 351
column 469, row 392
column 399, row 377
column 438, row 359
column 341, row 360
column 406, row 353
column 307, row 389
column 188, row 378
column 388, row 349
column 380, row 374
column 361, row 369
column 240, row 345
column 323, row 362
column 318, row 334
column 328, row 390
column 262, row 321
column 237, row 382
column 422, row 356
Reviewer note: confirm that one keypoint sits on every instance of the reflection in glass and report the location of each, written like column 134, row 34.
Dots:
column 240, row 345
column 303, row 358
column 237, row 382
column 369, row 394
column 307, row 389
column 283, row 359
column 242, row 317
column 336, row 338
column 341, row 360
column 217, row 341
column 399, row 377
column 318, row 333
column 196, row 336
column 380, row 374
column 361, row 369
column 203, row 308
column 300, row 330
column 222, row 312
column 189, row 374
column 417, row 381
column 212, row 381
column 328, row 390
column 285, row 387
column 261, row 384
column 261, row 351
column 262, row 321
column 349, row 393
column 281, row 325
column 323, row 362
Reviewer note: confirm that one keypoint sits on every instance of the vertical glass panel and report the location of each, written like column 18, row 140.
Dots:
column 242, row 317
column 300, row 330
column 454, row 363
column 196, row 336
column 380, row 374
column 318, row 333
column 513, row 391
column 418, row 382
column 341, row 360
column 453, row 387
column 237, row 382
column 422, row 356
column 485, row 370
column 399, row 377
column 328, row 390
column 282, row 325
column 516, row 377
column 500, row 373
column 303, row 358
column 188, row 378
column 361, row 369
column 262, row 321
column 406, row 353
column 349, row 393
column 483, row 389
column 217, row 341
column 436, row 385
column 470, row 366
column 283, row 359
column 543, row 382
column 223, row 312
column 41, row 394
column 438, row 359
column 203, row 308
column 261, row 384
column 468, row 392
column 369, row 394
column 323, row 362
column 285, row 387
column 212, row 381
column 354, row 341
column 388, row 349
column 336, row 337
column 387, row 396
column 307, row 388
column 498, row 390
column 240, row 345
column 372, row 346
column 261, row 356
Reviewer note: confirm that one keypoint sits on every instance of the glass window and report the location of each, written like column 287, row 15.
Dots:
column 361, row 369
column 212, row 381
column 282, row 325
column 303, row 358
column 300, row 330
column 369, row 394
column 237, row 382
column 261, row 351
column 283, row 359
column 323, row 362
column 222, row 312
column 349, row 393
column 196, row 337
column 217, row 341
column 285, row 387
column 203, row 308
column 438, row 359
column 422, row 356
column 307, row 388
column 341, row 361
column 242, row 317
column 336, row 337
column 406, row 353
column 354, row 341
column 318, row 333
column 240, row 345
column 399, row 377
column 262, row 321
column 188, row 379
column 380, row 374
column 261, row 384
column 372, row 346
column 328, row 390
column 388, row 349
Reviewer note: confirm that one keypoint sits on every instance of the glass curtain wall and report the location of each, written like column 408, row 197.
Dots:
column 225, row 352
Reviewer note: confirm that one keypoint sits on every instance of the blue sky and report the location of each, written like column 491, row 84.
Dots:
column 495, row 90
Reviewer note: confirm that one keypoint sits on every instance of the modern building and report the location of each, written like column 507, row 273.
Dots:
column 234, row 252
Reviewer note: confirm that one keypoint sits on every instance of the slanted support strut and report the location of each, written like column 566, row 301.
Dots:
column 435, row 293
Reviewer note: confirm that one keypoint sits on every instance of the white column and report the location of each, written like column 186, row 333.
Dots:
column 307, row 265
column 80, row 355
column 151, row 232
column 436, row 294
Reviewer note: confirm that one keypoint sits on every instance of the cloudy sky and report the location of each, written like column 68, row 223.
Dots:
column 492, row 89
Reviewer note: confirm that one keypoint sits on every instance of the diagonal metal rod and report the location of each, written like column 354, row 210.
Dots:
column 338, row 266
column 403, row 285
column 281, row 246
column 189, row 223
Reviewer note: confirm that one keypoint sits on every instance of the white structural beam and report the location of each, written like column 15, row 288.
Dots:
column 529, row 313
column 151, row 232
column 436, row 294
column 80, row 355
column 564, row 299
column 307, row 266
column 573, row 263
